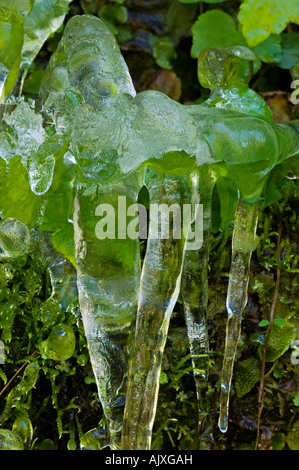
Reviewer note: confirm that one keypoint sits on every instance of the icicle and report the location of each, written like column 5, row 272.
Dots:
column 108, row 275
column 243, row 243
column 62, row 273
column 14, row 238
column 195, row 295
column 159, row 289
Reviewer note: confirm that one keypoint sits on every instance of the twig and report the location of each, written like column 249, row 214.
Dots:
column 271, row 321
column 16, row 374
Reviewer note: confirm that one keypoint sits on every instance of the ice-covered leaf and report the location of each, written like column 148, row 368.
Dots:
column 164, row 53
column 24, row 429
column 260, row 18
column 44, row 19
column 215, row 29
column 278, row 441
column 220, row 66
column 14, row 238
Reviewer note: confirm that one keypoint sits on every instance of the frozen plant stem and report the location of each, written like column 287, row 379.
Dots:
column 243, row 243
column 159, row 289
column 108, row 273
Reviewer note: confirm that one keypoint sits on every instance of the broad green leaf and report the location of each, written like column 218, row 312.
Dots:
column 260, row 18
column 290, row 50
column 248, row 373
column 269, row 51
column 280, row 339
column 215, row 29
column 44, row 19
column 220, row 66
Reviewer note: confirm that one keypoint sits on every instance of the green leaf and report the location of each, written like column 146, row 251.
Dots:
column 280, row 340
column 264, row 323
column 248, row 373
column 260, row 18
column 63, row 242
column 290, row 50
column 279, row 321
column 293, row 437
column 204, row 1
column 44, row 19
column 113, row 15
column 215, row 29
column 296, row 399
column 60, row 345
column 24, row 429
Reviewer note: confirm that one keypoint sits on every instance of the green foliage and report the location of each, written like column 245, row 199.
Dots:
column 260, row 18
column 215, row 29
column 281, row 338
column 248, row 373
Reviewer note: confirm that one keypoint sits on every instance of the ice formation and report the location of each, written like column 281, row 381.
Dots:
column 118, row 141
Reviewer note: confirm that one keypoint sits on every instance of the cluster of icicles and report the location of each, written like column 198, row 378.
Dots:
column 120, row 142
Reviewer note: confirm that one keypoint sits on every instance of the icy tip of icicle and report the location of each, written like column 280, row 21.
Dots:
column 14, row 238
column 222, row 425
